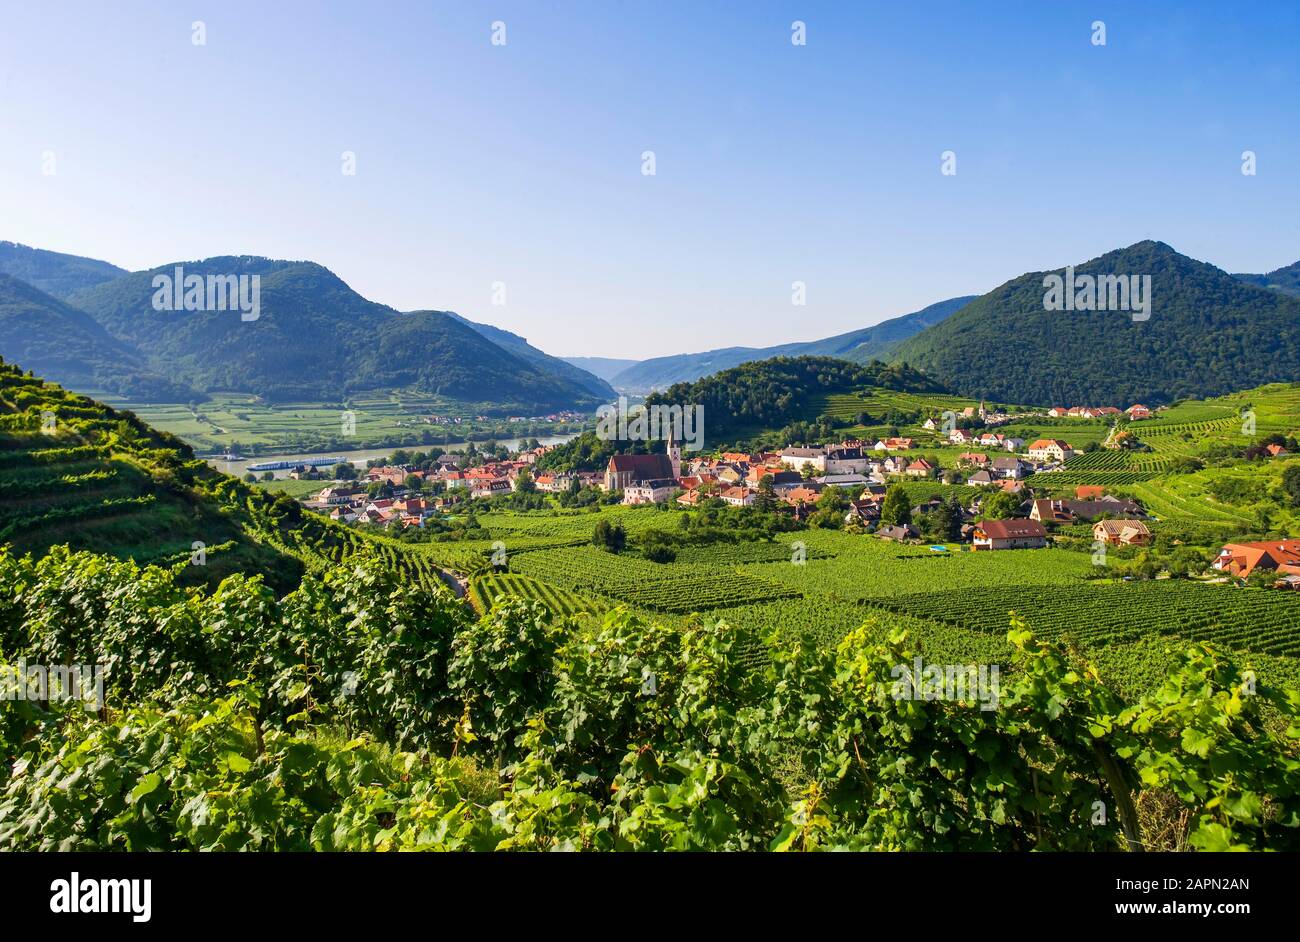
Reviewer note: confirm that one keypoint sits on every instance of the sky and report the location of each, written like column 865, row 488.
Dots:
column 489, row 173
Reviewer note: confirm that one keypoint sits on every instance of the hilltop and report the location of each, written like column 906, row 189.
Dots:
column 857, row 346
column 1209, row 333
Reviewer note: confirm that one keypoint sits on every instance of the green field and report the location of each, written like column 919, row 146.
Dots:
column 380, row 418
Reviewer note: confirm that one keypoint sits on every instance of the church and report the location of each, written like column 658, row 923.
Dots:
column 626, row 470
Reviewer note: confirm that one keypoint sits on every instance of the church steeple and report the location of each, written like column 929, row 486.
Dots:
column 674, row 453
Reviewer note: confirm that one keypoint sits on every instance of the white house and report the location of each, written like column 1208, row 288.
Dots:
column 649, row 492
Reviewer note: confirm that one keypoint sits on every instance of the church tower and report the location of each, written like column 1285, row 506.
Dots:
column 674, row 454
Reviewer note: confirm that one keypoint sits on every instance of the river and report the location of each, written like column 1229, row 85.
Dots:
column 360, row 457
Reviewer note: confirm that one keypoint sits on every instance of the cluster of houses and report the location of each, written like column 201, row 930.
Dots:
column 1135, row 412
column 1281, row 557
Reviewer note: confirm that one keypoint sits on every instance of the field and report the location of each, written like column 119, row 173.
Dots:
column 380, row 418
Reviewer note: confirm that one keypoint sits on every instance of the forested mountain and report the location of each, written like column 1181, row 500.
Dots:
column 558, row 366
column 771, row 393
column 69, row 347
column 858, row 346
column 1286, row 280
column 314, row 337
column 55, row 273
column 1208, row 333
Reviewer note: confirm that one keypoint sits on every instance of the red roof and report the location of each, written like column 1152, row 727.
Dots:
column 1014, row 529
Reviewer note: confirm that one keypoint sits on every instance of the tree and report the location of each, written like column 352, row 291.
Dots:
column 896, row 509
column 1000, row 506
column 268, row 476
column 1291, row 484
column 414, row 482
column 524, row 483
column 947, row 520
column 610, row 538
column 345, row 471
column 831, row 507
column 765, row 495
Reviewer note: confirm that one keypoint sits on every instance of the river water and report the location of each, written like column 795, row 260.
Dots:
column 359, row 458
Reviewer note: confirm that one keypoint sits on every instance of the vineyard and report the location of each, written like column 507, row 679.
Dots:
column 656, row 587
column 1094, row 615
column 489, row 588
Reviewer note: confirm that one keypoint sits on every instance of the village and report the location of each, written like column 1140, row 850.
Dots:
column 794, row 479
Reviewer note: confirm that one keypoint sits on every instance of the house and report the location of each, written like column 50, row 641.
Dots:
column 920, row 468
column 960, row 436
column 649, row 492
column 391, row 475
column 863, row 512
column 976, row 458
column 802, row 495
column 490, row 487
column 1241, row 559
column 1051, row 449
column 738, row 496
column 899, row 533
column 800, row 458
column 930, row 424
column 844, row 480
column 1121, row 532
column 1092, row 509
column 624, row 470
column 1008, row 467
column 338, row 495
column 550, row 483
column 893, row 444
column 980, row 477
column 1138, row 411
column 845, row 459
column 1089, row 491
column 690, row 498
column 1050, row 511
column 779, row 477
column 1276, row 451
column 1009, row 534
column 1057, row 412
column 1100, row 412
column 342, row 514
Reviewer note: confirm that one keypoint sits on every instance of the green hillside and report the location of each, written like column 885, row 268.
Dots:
column 858, row 346
column 316, row 338
column 770, row 394
column 55, row 273
column 1286, row 280
column 70, row 347
column 1208, row 334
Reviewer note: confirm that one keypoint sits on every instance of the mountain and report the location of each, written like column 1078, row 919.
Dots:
column 69, row 347
column 1208, row 334
column 763, row 395
column 314, row 338
column 1286, row 280
column 559, row 366
column 605, row 368
column 55, row 273
column 858, row 346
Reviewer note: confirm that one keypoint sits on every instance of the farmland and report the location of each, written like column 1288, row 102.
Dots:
column 377, row 418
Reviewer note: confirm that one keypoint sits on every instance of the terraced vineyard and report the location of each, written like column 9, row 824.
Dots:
column 488, row 588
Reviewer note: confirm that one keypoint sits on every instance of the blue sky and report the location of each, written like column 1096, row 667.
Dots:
column 521, row 163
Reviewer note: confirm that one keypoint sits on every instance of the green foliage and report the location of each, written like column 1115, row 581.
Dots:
column 1208, row 334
